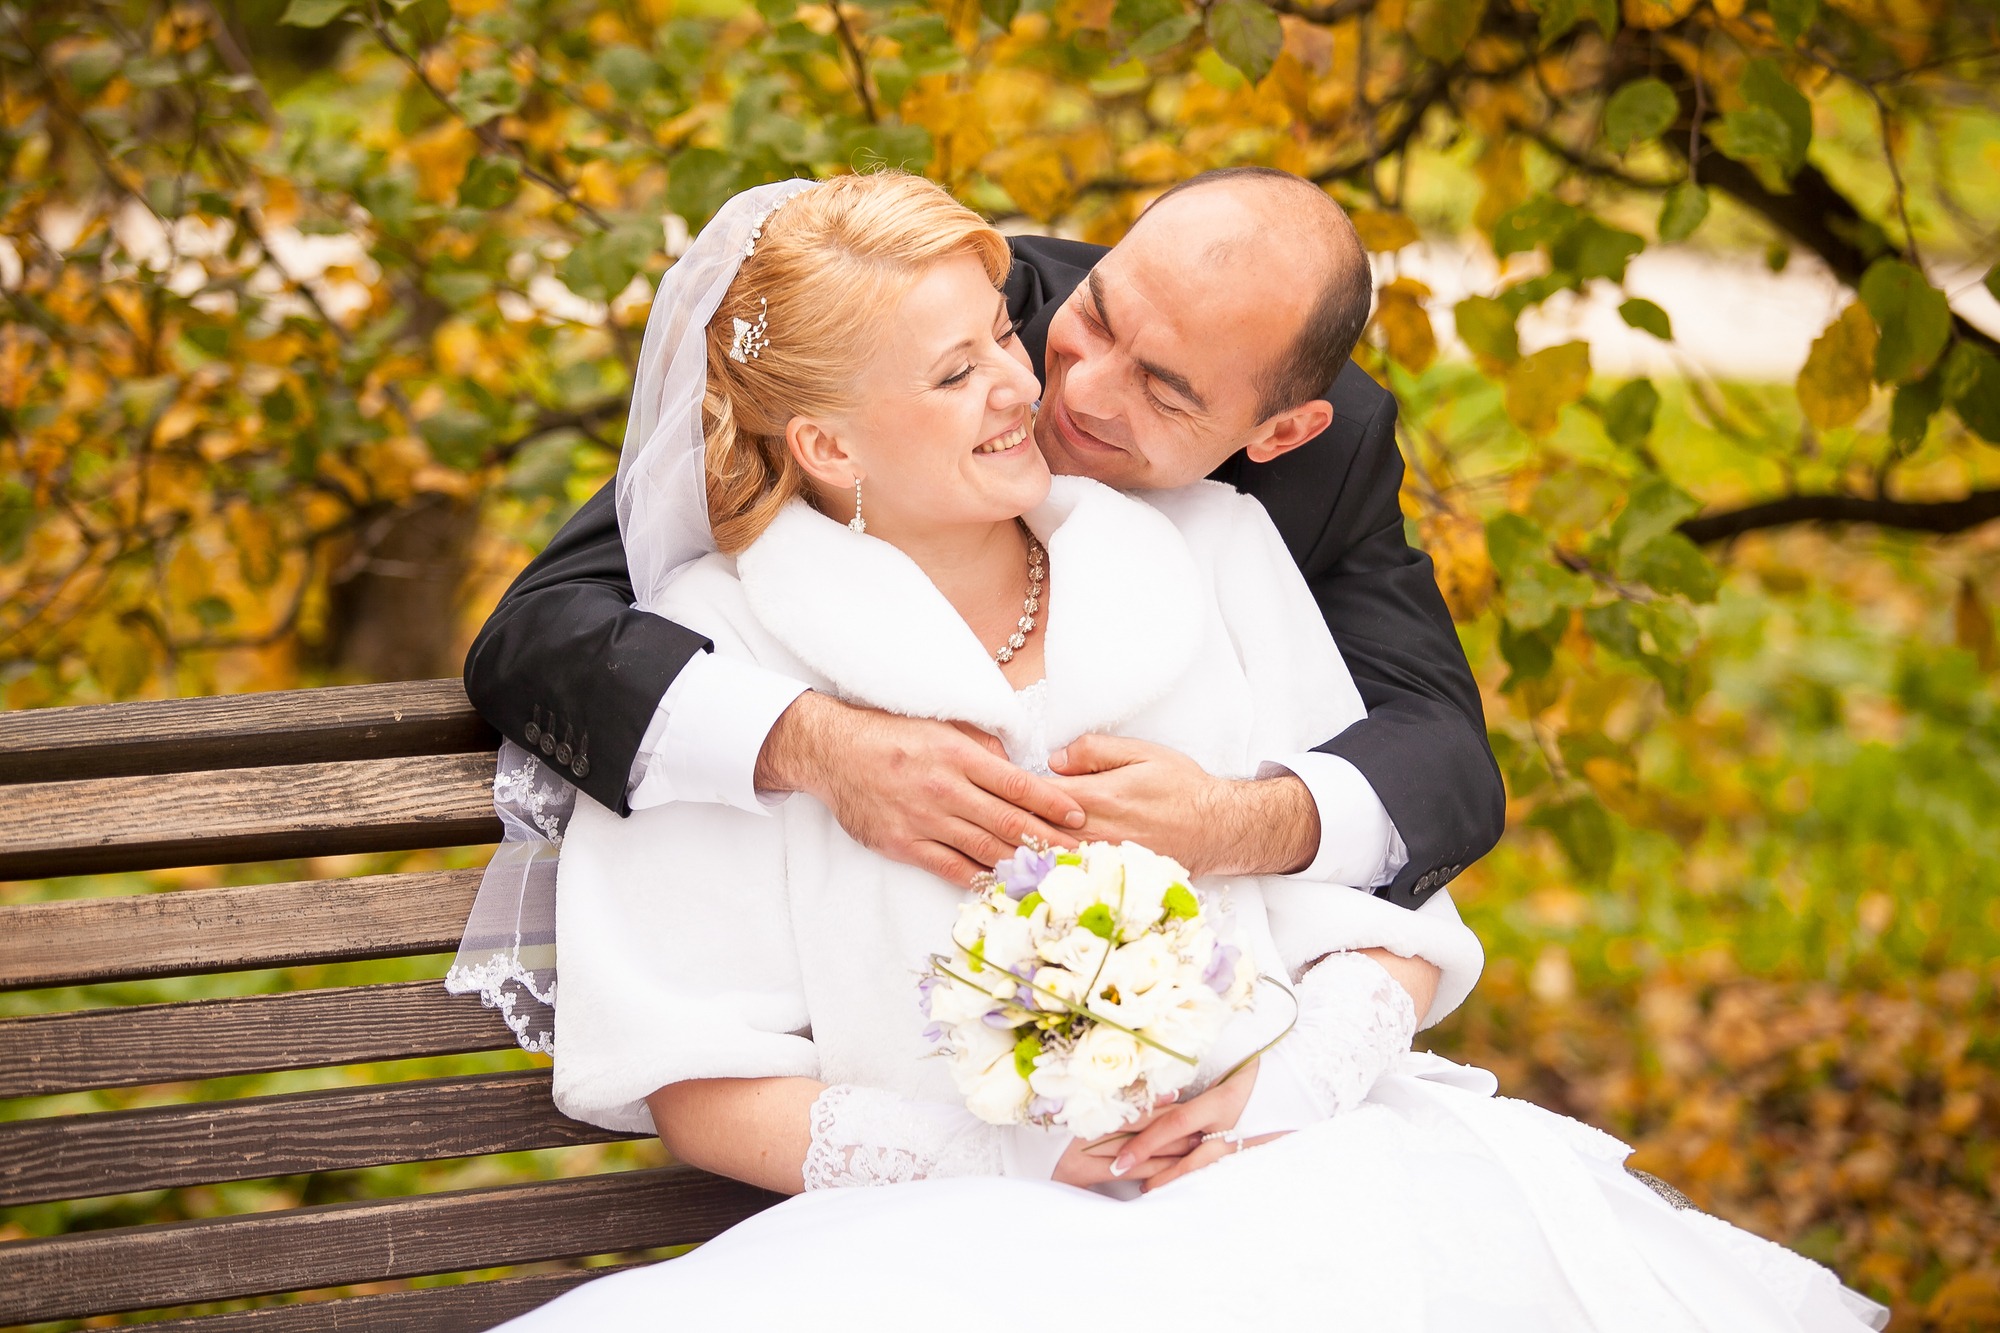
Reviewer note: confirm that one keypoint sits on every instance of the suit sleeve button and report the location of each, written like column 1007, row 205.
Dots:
column 563, row 753
column 581, row 768
column 548, row 743
column 533, row 733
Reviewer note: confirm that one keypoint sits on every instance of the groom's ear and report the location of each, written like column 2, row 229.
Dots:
column 1288, row 430
column 819, row 453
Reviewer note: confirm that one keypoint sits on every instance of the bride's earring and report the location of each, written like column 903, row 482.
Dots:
column 855, row 524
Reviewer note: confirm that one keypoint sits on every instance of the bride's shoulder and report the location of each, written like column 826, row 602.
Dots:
column 1217, row 519
column 707, row 597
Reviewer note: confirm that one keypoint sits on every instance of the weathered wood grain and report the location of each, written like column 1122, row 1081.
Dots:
column 183, row 1263
column 192, row 931
column 163, row 1147
column 246, row 814
column 170, row 1043
column 466, row 1308
column 241, row 731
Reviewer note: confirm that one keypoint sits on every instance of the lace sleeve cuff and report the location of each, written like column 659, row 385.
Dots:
column 865, row 1136
column 1355, row 1022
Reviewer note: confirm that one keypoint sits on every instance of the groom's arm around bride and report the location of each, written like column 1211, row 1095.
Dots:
column 1157, row 370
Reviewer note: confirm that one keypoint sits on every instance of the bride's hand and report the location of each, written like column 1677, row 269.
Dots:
column 929, row 794
column 1088, row 1162
column 1171, row 1145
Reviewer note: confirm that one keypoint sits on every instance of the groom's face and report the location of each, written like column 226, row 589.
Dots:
column 1155, row 364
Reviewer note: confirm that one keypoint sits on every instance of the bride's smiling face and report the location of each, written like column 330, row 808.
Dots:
column 940, row 431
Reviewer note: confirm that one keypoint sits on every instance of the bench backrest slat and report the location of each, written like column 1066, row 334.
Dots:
column 81, row 940
column 247, row 814
column 242, row 731
column 251, row 1034
column 180, row 1263
column 162, row 1147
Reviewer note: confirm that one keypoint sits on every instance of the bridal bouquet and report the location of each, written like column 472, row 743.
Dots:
column 1080, row 987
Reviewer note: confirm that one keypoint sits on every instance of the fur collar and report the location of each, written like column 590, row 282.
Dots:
column 1122, row 623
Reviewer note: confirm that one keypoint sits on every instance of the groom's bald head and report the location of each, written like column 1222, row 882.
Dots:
column 1216, row 325
column 1287, row 248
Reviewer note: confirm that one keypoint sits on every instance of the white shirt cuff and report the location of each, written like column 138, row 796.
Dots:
column 1358, row 842
column 703, row 741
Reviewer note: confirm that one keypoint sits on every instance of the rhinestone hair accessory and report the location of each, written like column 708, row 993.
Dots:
column 750, row 338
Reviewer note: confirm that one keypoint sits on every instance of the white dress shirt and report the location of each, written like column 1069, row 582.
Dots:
column 704, row 739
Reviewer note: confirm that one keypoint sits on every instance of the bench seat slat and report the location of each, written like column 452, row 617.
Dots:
column 258, row 1254
column 164, row 1147
column 241, row 731
column 82, row 940
column 253, row 1034
column 246, row 814
column 466, row 1308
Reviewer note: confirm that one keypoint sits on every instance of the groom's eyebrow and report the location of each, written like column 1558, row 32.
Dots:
column 1173, row 379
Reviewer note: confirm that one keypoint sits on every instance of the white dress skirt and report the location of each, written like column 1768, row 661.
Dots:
column 1433, row 1207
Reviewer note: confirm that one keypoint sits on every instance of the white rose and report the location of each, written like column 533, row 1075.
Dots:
column 975, row 1049
column 1063, row 982
column 1105, row 1061
column 1090, row 1116
column 971, row 923
column 1188, row 1028
column 999, row 1095
column 1078, row 950
column 1147, row 879
column 1009, row 941
column 953, row 1004
column 1067, row 890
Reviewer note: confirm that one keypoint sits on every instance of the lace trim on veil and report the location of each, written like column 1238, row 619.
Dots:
column 507, row 955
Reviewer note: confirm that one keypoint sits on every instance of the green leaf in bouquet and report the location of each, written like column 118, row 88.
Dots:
column 1913, row 316
column 1180, row 902
column 1972, row 387
column 1025, row 1051
column 1683, row 210
column 976, row 954
column 1629, row 415
column 1097, row 919
column 1647, row 317
column 1639, row 111
column 1029, row 904
column 1248, row 35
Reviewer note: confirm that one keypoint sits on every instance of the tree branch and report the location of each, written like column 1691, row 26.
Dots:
column 1934, row 516
column 1337, row 12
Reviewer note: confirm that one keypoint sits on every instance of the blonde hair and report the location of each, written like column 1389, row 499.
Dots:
column 832, row 264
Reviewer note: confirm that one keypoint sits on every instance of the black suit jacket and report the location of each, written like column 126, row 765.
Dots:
column 567, row 666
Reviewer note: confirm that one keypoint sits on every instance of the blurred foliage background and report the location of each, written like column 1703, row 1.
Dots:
column 318, row 319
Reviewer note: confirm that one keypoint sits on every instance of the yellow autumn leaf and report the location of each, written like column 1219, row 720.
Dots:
column 1035, row 179
column 175, row 422
column 1406, row 325
column 440, row 155
column 597, row 183
column 1456, row 543
column 1538, row 387
column 1657, row 13
column 1837, row 381
column 1072, row 15
column 1382, row 232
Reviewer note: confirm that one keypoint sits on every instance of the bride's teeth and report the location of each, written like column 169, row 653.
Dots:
column 1005, row 442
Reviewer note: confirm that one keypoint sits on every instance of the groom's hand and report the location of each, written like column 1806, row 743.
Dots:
column 1161, row 799
column 933, row 795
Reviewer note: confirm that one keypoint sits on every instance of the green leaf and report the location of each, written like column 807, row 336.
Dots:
column 1591, row 249
column 1685, row 207
column 490, row 182
column 1913, row 316
column 1672, row 564
column 1773, row 127
column 976, row 954
column 1584, row 831
column 601, row 266
column 1131, row 18
column 1792, row 17
column 314, row 13
column 630, row 72
column 898, row 147
column 699, row 181
column 1833, row 385
column 1993, row 281
column 1441, row 29
column 1538, row 387
column 1557, row 18
column 1001, row 12
column 1029, row 904
column 1628, row 416
column 1180, row 902
column 1643, row 314
column 423, row 21
column 1541, row 221
column 1613, row 627
column 1247, row 35
column 486, row 93
column 1097, row 919
column 1025, row 1051
column 1972, row 387
column 1529, row 655
column 1656, row 508
column 1540, row 591
column 1512, row 541
column 1911, row 410
column 457, row 437
column 1163, row 36
column 1639, row 111
column 1487, row 327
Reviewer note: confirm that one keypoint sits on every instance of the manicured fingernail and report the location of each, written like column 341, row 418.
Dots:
column 1060, row 759
column 1122, row 1165
column 1074, row 819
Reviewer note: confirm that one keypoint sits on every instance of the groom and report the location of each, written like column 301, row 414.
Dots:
column 1211, row 341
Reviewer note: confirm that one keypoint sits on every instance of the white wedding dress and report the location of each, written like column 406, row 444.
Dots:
column 699, row 942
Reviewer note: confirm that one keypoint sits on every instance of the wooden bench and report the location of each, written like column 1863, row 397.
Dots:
column 307, row 773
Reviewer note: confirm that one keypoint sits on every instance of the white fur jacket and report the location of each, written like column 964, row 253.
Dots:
column 704, row 942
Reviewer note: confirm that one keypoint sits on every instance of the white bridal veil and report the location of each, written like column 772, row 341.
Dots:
column 507, row 955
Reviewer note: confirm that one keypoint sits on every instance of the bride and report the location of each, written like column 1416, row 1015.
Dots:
column 869, row 513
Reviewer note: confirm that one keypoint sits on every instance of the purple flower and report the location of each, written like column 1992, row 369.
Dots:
column 934, row 1032
column 1024, row 871
column 1221, row 969
column 925, row 985
column 1039, row 1106
column 994, row 1018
